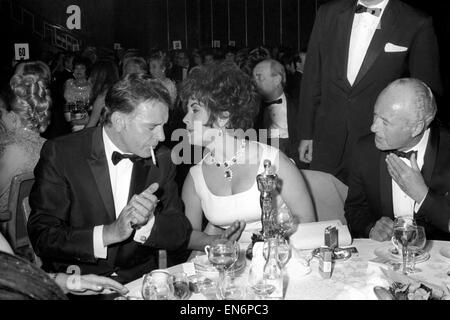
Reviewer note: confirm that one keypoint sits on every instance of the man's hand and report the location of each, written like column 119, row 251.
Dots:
column 305, row 150
column 383, row 230
column 136, row 213
column 91, row 284
column 234, row 232
column 409, row 179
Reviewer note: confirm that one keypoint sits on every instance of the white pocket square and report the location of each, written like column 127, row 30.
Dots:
column 390, row 47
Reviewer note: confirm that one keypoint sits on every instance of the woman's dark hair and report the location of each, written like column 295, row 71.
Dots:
column 78, row 60
column 223, row 88
column 126, row 94
column 103, row 75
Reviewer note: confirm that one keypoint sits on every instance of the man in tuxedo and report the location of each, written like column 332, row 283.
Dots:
column 278, row 112
column 403, row 169
column 356, row 49
column 100, row 200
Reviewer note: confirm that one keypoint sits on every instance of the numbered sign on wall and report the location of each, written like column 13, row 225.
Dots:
column 232, row 43
column 216, row 44
column 22, row 51
column 117, row 46
column 176, row 44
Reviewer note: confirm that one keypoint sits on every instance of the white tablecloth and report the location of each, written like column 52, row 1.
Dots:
column 351, row 279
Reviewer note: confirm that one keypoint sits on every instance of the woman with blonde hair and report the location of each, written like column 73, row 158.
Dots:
column 24, row 118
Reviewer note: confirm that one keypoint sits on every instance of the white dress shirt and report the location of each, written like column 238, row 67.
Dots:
column 120, row 177
column 276, row 115
column 363, row 29
column 404, row 205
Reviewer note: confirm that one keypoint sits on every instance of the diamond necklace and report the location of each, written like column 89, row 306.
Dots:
column 227, row 164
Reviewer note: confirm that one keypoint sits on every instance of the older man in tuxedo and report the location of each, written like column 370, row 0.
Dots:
column 100, row 200
column 356, row 49
column 403, row 168
column 279, row 111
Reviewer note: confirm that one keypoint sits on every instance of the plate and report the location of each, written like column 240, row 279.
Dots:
column 387, row 251
column 445, row 252
column 203, row 265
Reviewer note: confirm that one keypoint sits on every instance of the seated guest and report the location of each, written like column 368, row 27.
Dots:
column 134, row 65
column 28, row 285
column 403, row 168
column 221, row 101
column 103, row 75
column 23, row 119
column 77, row 93
column 279, row 111
column 94, row 188
column 158, row 66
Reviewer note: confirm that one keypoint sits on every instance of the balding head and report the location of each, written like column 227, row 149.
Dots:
column 403, row 111
column 270, row 78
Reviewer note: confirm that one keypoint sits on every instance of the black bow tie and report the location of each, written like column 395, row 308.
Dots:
column 375, row 11
column 117, row 156
column 406, row 155
column 269, row 103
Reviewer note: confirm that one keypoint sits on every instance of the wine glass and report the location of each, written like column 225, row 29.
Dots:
column 222, row 253
column 405, row 232
column 284, row 251
column 415, row 248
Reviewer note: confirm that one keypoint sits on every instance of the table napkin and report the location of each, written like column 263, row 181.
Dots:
column 311, row 235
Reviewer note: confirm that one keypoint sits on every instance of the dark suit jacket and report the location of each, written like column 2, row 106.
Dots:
column 72, row 194
column 370, row 187
column 335, row 114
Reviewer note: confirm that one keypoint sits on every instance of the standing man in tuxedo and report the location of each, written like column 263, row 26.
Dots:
column 99, row 201
column 356, row 49
column 403, row 168
column 278, row 112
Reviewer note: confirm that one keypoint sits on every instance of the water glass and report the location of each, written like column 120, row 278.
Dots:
column 157, row 285
column 180, row 286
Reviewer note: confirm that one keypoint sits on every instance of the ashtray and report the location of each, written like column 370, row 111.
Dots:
column 339, row 254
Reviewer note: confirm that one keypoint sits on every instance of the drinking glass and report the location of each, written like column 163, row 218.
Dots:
column 222, row 253
column 180, row 286
column 258, row 282
column 405, row 232
column 157, row 285
column 415, row 248
column 284, row 251
column 283, row 221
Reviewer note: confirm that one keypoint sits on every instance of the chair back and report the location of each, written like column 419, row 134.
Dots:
column 19, row 208
column 328, row 194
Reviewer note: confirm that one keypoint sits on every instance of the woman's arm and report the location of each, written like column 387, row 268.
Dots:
column 294, row 190
column 194, row 213
column 99, row 103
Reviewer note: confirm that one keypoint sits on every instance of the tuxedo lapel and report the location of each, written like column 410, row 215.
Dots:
column 379, row 40
column 342, row 38
column 430, row 155
column 99, row 168
column 385, row 188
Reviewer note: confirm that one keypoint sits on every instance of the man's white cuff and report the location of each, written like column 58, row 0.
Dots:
column 141, row 235
column 100, row 250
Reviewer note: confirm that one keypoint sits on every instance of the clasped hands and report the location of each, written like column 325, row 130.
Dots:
column 137, row 212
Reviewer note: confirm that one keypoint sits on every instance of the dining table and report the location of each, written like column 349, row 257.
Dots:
column 352, row 279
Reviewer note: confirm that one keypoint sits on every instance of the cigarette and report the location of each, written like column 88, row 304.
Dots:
column 153, row 156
